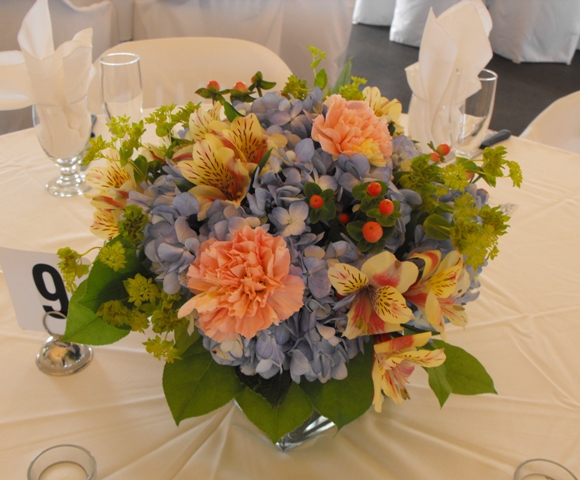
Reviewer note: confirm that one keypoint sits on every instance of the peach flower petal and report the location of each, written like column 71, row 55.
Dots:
column 351, row 127
column 242, row 285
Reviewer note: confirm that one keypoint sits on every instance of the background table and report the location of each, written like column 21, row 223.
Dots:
column 525, row 328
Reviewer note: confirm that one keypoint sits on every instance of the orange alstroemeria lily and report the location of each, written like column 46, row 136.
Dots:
column 378, row 305
column 216, row 173
column 113, row 184
column 436, row 292
column 394, row 362
column 202, row 122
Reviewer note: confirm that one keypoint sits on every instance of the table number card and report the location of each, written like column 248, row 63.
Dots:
column 36, row 287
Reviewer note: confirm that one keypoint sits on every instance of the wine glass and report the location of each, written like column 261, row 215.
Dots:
column 470, row 117
column 121, row 89
column 63, row 132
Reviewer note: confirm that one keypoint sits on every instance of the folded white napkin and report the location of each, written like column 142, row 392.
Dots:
column 40, row 75
column 456, row 40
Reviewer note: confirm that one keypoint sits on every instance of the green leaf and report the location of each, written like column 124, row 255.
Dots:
column 343, row 77
column 311, row 188
column 315, row 215
column 141, row 167
column 274, row 389
column 321, row 79
column 196, row 384
column 229, row 110
column 83, row 325
column 263, row 161
column 464, row 373
column 438, row 383
column 276, row 421
column 266, row 85
column 354, row 229
column 184, row 340
column 360, row 191
column 368, row 203
column 343, row 401
column 104, row 284
column 437, row 227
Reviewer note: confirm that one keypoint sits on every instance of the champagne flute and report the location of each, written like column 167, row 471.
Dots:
column 470, row 116
column 121, row 89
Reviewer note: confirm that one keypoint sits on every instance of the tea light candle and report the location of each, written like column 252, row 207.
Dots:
column 536, row 476
column 64, row 471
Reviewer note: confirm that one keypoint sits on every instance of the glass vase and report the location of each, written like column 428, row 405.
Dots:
column 313, row 426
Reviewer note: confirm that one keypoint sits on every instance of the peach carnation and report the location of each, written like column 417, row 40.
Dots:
column 242, row 285
column 351, row 127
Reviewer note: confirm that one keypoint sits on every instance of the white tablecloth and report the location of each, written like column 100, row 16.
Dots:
column 525, row 328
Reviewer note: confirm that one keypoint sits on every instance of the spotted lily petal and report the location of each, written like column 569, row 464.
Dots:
column 346, row 279
column 391, row 307
column 385, row 270
column 394, row 362
column 215, row 166
column 104, row 224
column 202, row 122
column 247, row 136
column 111, row 176
column 363, row 320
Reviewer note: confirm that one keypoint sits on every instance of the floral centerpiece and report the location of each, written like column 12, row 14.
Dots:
column 291, row 250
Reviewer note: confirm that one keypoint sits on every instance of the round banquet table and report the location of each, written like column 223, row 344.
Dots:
column 525, row 329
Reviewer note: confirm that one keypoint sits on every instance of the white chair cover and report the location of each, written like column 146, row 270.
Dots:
column 535, row 30
column 258, row 21
column 68, row 19
column 287, row 27
column 374, row 12
column 410, row 17
column 558, row 125
column 172, row 69
column 325, row 24
column 124, row 9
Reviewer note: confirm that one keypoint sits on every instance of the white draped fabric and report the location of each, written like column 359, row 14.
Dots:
column 557, row 125
column 524, row 328
column 286, row 27
column 374, row 12
column 68, row 18
column 524, row 30
column 410, row 17
column 535, row 30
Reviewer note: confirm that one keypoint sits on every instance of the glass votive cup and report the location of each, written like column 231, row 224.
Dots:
column 69, row 462
column 542, row 469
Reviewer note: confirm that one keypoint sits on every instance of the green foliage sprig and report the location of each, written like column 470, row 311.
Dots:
column 473, row 231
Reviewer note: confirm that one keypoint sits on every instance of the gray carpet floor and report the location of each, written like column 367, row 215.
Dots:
column 523, row 91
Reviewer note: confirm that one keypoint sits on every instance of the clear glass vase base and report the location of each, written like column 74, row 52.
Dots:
column 315, row 425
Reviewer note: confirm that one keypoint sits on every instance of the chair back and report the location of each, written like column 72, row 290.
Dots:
column 558, row 125
column 172, row 69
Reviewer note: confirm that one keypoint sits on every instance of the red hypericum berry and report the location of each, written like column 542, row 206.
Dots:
column 213, row 85
column 344, row 218
column 435, row 157
column 470, row 175
column 386, row 207
column 241, row 86
column 374, row 189
column 443, row 149
column 316, row 201
column 372, row 232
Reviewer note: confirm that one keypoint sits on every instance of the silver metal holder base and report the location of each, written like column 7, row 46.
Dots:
column 62, row 358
